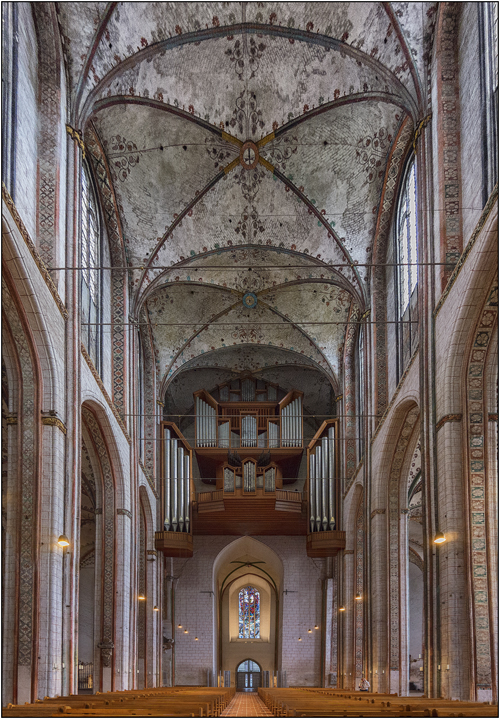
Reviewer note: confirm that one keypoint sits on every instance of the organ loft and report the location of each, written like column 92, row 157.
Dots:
column 249, row 443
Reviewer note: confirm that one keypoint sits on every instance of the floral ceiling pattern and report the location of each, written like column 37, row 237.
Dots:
column 320, row 90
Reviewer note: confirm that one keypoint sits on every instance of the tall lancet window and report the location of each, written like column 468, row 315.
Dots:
column 90, row 275
column 407, row 269
column 249, row 613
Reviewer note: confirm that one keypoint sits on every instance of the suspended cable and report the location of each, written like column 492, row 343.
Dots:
column 256, row 267
column 240, row 325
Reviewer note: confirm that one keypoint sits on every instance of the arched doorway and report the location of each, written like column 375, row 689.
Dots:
column 248, row 676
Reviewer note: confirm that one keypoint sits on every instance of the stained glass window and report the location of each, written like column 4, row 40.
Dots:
column 249, row 613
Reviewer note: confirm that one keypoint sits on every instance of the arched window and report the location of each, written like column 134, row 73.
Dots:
column 249, row 613
column 488, row 53
column 90, row 260
column 406, row 269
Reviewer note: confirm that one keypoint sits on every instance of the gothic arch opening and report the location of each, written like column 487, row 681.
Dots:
column 248, row 563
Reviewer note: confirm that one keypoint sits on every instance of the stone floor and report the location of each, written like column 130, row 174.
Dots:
column 246, row 705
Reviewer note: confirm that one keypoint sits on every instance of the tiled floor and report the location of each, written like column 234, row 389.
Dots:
column 246, row 705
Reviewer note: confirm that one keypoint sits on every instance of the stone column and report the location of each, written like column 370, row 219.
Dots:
column 379, row 601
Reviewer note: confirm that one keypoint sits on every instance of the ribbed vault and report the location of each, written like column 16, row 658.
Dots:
column 315, row 94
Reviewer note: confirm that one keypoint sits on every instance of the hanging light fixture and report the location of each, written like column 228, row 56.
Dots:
column 63, row 541
column 309, row 631
column 300, row 639
column 358, row 596
column 186, row 631
column 179, row 626
column 196, row 639
column 155, row 609
column 439, row 538
column 316, row 626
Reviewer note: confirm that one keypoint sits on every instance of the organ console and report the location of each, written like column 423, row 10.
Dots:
column 249, row 442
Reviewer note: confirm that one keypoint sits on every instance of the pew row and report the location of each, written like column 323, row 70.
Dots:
column 310, row 702
column 158, row 702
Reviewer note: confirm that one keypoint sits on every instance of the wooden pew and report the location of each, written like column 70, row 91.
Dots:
column 161, row 702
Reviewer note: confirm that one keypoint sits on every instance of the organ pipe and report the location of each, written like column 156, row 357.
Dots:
column 167, row 479
column 180, row 497
column 187, row 502
column 177, row 478
column 322, row 482
column 174, row 483
column 331, row 477
column 312, row 490
column 318, row 483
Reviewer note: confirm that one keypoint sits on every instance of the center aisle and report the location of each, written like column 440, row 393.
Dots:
column 246, row 705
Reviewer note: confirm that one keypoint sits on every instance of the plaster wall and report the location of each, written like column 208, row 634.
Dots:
column 26, row 130
column 471, row 110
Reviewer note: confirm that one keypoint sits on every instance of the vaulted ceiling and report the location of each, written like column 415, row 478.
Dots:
column 246, row 147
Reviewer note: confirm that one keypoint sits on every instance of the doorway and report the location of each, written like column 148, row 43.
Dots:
column 248, row 676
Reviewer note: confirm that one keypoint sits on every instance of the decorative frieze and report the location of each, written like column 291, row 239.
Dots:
column 477, row 460
column 448, row 418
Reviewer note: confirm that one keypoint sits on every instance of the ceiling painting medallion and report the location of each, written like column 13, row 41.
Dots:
column 249, row 155
column 249, row 300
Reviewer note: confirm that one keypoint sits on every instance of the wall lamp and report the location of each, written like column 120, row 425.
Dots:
column 439, row 538
column 141, row 597
column 358, row 596
column 342, row 609
column 155, row 609
column 63, row 541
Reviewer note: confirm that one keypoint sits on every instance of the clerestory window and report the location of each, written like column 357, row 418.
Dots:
column 90, row 260
column 407, row 268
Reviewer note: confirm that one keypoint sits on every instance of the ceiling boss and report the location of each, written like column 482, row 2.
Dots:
column 249, row 155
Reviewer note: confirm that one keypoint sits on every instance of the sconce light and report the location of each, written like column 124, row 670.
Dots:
column 196, row 639
column 141, row 597
column 63, row 541
column 186, row 631
column 358, row 596
column 342, row 609
column 316, row 626
column 309, row 631
column 439, row 538
column 179, row 626
column 300, row 639
column 155, row 609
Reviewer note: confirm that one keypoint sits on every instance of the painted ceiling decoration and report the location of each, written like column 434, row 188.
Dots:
column 247, row 147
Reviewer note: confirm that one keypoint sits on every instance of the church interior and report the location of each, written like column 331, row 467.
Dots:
column 249, row 350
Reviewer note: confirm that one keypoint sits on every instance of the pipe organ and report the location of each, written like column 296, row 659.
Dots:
column 323, row 539
column 247, row 419
column 249, row 444
column 176, row 539
column 322, row 483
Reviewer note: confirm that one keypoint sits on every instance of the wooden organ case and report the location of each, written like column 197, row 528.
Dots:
column 249, row 445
